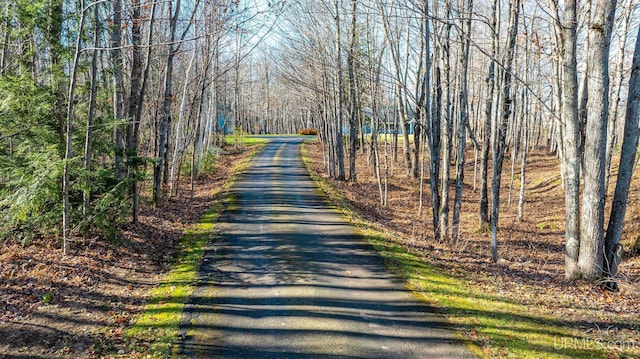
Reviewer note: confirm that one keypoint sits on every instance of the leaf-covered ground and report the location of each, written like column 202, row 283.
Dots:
column 530, row 270
column 79, row 305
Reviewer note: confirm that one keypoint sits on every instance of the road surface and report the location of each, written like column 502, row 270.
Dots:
column 289, row 278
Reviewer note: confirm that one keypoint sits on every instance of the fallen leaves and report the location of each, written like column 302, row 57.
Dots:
column 100, row 284
column 531, row 266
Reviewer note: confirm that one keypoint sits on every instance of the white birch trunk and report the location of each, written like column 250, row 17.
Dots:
column 177, row 143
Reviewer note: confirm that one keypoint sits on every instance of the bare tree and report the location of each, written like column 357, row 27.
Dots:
column 465, row 35
column 86, row 208
column 339, row 109
column 118, row 84
column 139, row 79
column 613, row 248
column 432, row 124
column 567, row 37
column 590, row 260
column 445, row 83
column 163, row 140
column 393, row 39
column 68, row 157
column 616, row 88
column 354, row 109
column 486, row 132
column 499, row 146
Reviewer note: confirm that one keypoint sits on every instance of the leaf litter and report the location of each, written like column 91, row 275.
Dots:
column 530, row 270
column 79, row 305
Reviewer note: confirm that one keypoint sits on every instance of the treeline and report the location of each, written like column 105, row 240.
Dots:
column 100, row 100
column 434, row 80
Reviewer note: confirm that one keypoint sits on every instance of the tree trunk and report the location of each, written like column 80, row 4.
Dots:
column 131, row 151
column 500, row 143
column 118, row 85
column 53, row 34
column 526, row 119
column 570, row 142
column 523, row 169
column 353, row 104
column 434, row 136
column 179, row 124
column 627, row 163
column 422, row 95
column 583, row 90
column 166, row 108
column 434, row 133
column 462, row 138
column 340, row 175
column 448, row 128
column 91, row 115
column 138, row 111
column 615, row 93
column 590, row 260
column 4, row 54
column 486, row 134
column 401, row 97
column 66, row 182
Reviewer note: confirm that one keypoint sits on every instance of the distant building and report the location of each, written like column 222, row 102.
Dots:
column 225, row 119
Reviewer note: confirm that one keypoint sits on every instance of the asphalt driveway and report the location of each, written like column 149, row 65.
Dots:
column 289, row 278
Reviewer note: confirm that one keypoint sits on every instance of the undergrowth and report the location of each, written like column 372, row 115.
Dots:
column 495, row 327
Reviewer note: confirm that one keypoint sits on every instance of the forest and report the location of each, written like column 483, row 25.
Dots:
column 440, row 79
column 108, row 105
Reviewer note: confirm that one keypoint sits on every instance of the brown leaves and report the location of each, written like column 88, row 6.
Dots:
column 531, row 267
column 99, row 284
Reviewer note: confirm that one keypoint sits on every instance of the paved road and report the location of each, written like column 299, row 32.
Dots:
column 289, row 278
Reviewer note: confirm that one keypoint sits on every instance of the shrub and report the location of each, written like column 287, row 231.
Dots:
column 308, row 132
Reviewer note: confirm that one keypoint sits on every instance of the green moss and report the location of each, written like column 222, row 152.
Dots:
column 46, row 298
column 159, row 324
column 544, row 225
column 494, row 326
column 160, row 321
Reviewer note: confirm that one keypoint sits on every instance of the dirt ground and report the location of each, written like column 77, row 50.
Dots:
column 531, row 265
column 79, row 305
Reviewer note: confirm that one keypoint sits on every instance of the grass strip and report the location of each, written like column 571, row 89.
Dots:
column 494, row 327
column 155, row 331
column 251, row 140
column 245, row 140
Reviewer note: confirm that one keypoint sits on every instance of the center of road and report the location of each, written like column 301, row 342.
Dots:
column 288, row 277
